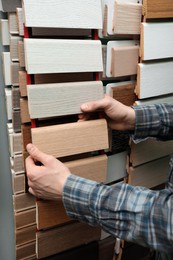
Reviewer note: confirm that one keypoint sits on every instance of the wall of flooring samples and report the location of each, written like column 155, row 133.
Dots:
column 56, row 55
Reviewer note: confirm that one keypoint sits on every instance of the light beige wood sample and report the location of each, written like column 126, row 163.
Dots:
column 150, row 174
column 12, row 19
column 63, row 238
column 48, row 100
column 15, row 68
column 20, row 24
column 158, row 8
column 25, row 235
column 21, row 54
column 64, row 14
column 124, row 61
column 8, row 99
column 10, row 132
column 23, row 201
column 154, row 79
column 6, row 61
column 72, row 138
column 26, row 251
column 25, row 218
column 50, row 214
column 22, row 83
column 127, row 17
column 156, row 40
column 17, row 163
column 149, row 150
column 14, row 53
column 59, row 56
column 124, row 92
column 60, row 32
column 17, row 143
column 18, row 183
column 25, row 118
column 5, row 37
column 15, row 98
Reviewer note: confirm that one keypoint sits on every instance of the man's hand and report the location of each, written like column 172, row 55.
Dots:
column 119, row 116
column 47, row 179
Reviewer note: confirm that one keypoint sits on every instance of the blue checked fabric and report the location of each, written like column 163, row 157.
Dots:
column 134, row 214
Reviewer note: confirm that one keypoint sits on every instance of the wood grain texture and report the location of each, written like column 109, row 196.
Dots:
column 25, row 218
column 22, row 83
column 21, row 54
column 14, row 54
column 58, row 56
column 17, row 163
column 25, row 118
column 17, row 143
column 23, row 201
column 63, row 238
column 8, row 99
column 124, row 61
column 50, row 100
column 149, row 150
column 156, row 40
column 5, row 37
column 124, row 92
column 154, row 79
column 64, row 14
column 150, row 174
column 15, row 98
column 12, row 20
column 25, row 235
column 158, row 8
column 72, row 138
column 50, row 214
column 60, row 32
column 15, row 68
column 16, row 121
column 6, row 61
column 127, row 18
column 20, row 24
column 26, row 251
column 26, row 135
column 18, row 182
column 10, row 5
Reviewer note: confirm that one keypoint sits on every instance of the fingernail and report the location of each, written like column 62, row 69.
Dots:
column 29, row 147
column 85, row 107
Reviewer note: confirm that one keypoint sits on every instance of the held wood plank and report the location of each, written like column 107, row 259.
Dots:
column 150, row 174
column 124, row 92
column 25, row 235
column 72, row 138
column 23, row 201
column 124, row 61
column 26, row 135
column 127, row 18
column 59, row 56
column 154, row 79
column 5, row 37
column 26, row 251
column 63, row 238
column 64, row 14
column 25, row 118
column 156, row 40
column 149, row 150
column 158, row 8
column 25, row 218
column 50, row 100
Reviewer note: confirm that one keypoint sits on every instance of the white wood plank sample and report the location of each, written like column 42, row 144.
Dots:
column 46, row 100
column 150, row 174
column 156, row 40
column 14, row 47
column 5, row 36
column 71, row 138
column 156, row 100
column 6, row 60
column 13, row 27
column 149, row 150
column 154, row 79
column 8, row 99
column 63, row 14
column 20, row 24
column 56, row 56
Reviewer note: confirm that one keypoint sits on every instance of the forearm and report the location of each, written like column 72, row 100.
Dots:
column 130, row 213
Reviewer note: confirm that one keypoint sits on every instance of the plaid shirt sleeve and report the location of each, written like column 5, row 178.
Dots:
column 134, row 214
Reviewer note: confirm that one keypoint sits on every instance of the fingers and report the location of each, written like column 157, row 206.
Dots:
column 36, row 154
column 101, row 104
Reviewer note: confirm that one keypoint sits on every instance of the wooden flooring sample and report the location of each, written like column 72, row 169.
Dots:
column 48, row 100
column 127, row 18
column 63, row 238
column 23, row 201
column 25, row 235
column 21, row 54
column 17, row 143
column 25, row 118
column 154, row 79
column 19, row 13
column 71, row 138
column 15, row 68
column 150, row 174
column 156, row 40
column 5, row 36
column 22, row 83
column 26, row 251
column 14, row 53
column 59, row 56
column 63, row 14
column 25, row 218
column 6, row 61
column 60, row 32
column 13, row 26
column 158, row 8
column 149, row 150
column 18, row 183
column 15, row 98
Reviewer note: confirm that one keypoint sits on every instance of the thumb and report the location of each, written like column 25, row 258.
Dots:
column 95, row 105
column 36, row 154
